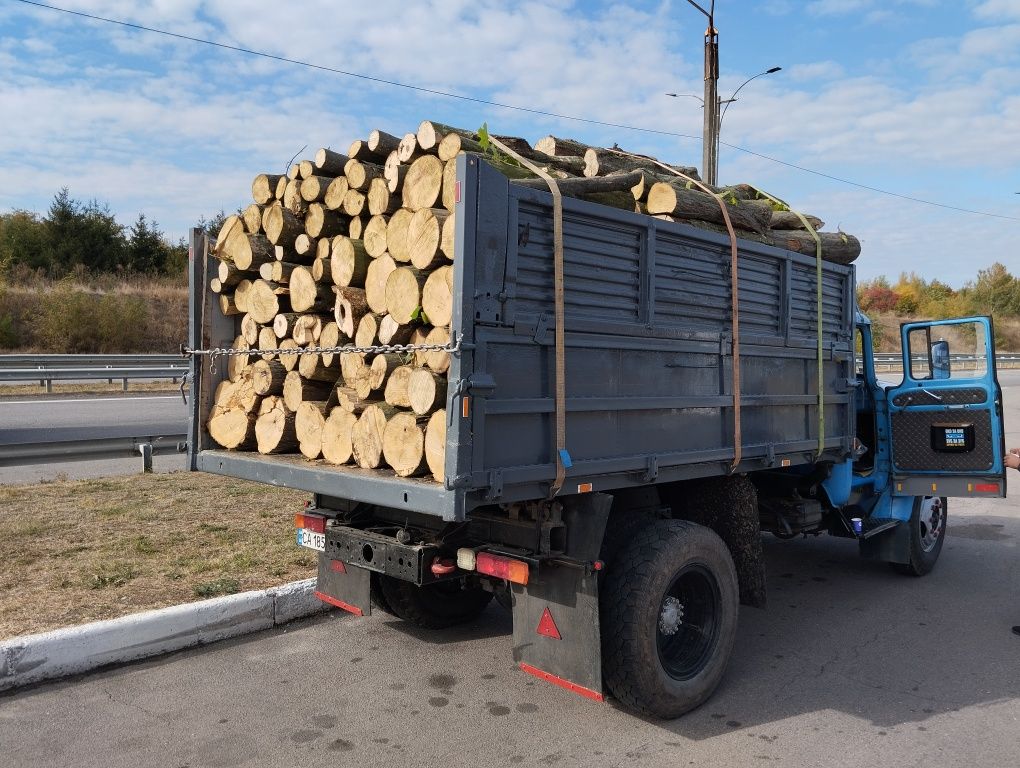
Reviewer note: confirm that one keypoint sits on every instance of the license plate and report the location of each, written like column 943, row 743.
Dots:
column 311, row 539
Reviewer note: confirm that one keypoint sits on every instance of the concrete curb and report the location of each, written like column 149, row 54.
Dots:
column 62, row 652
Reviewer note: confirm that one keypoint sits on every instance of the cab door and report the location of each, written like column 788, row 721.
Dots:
column 945, row 418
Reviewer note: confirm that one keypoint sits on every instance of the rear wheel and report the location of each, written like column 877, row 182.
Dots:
column 669, row 618
column 927, row 534
column 434, row 606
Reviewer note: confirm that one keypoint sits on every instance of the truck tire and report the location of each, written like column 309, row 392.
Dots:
column 435, row 606
column 668, row 618
column 927, row 533
column 378, row 598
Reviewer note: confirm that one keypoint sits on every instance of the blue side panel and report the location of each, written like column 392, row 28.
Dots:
column 837, row 484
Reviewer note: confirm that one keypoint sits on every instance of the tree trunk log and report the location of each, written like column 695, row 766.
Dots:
column 337, row 436
column 676, row 200
column 306, row 295
column 395, row 392
column 351, row 306
column 329, row 163
column 437, row 296
column 267, row 341
column 267, row 377
column 275, row 432
column 281, row 226
column 789, row 220
column 423, row 183
column 322, row 268
column 367, row 334
column 453, row 144
column 424, row 234
column 248, row 252
column 367, row 435
column 306, row 169
column 408, row 149
column 233, row 429
column 404, row 445
column 249, row 329
column 837, row 247
column 310, row 368
column 309, row 421
column 283, row 324
column 449, row 192
column 305, row 247
column 394, row 172
column 426, row 391
column 356, row 230
column 435, row 445
column 354, row 203
column 238, row 364
column 264, row 303
column 447, row 244
column 349, row 400
column 360, row 174
column 349, row 262
column 292, row 199
column 288, row 361
column 554, row 146
column 228, row 306
column 355, row 373
column 396, row 235
column 601, row 162
column 374, row 236
column 392, row 332
column 297, row 390
column 381, row 368
column 375, row 281
column 335, row 193
column 329, row 338
column 404, row 289
column 438, row 361
column 587, row 186
column 252, row 217
column 313, row 189
column 359, row 150
column 380, row 200
column 263, row 188
column 381, row 143
column 322, row 222
column 307, row 329
column 229, row 275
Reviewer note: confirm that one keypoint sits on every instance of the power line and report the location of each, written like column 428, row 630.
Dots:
column 515, row 107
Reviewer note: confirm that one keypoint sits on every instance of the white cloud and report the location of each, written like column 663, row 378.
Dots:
column 998, row 10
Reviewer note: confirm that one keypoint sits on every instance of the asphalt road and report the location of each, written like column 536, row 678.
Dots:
column 56, row 417
column 850, row 665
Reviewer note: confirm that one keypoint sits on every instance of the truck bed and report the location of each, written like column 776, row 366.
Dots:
column 648, row 358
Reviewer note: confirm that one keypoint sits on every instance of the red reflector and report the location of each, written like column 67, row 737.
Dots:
column 311, row 522
column 588, row 693
column 337, row 566
column 442, row 566
column 547, row 627
column 456, row 192
column 339, row 603
column 987, row 487
column 502, row 567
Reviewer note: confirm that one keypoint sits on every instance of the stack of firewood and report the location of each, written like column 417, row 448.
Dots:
column 356, row 251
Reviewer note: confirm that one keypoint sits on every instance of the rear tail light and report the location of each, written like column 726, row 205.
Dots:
column 501, row 567
column 314, row 523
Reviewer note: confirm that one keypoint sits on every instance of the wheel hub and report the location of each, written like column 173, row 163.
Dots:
column 671, row 616
column 930, row 522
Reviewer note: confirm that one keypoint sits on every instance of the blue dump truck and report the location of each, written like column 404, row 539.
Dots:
column 610, row 477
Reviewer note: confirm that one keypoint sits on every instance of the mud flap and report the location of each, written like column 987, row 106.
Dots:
column 556, row 628
column 345, row 586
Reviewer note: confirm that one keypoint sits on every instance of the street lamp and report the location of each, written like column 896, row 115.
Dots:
column 712, row 139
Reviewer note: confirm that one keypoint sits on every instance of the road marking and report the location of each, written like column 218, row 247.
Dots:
column 87, row 400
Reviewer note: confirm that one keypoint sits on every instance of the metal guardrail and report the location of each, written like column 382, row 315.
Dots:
column 1002, row 359
column 20, row 454
column 49, row 368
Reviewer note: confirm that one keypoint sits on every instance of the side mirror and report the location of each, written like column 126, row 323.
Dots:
column 940, row 368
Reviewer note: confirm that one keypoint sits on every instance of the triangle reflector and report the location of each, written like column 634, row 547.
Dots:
column 547, row 627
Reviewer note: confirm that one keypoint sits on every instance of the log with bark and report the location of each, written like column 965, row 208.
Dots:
column 367, row 435
column 404, row 445
column 337, row 436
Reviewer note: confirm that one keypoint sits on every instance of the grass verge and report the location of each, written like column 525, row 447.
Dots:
column 80, row 551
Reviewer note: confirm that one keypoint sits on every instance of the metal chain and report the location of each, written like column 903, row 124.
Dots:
column 216, row 352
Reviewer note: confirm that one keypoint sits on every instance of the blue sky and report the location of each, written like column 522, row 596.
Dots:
column 917, row 97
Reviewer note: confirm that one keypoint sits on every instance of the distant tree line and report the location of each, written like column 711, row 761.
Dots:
column 994, row 292
column 76, row 235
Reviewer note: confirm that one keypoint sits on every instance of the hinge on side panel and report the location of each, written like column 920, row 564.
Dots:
column 542, row 329
column 770, row 454
column 495, row 485
column 651, row 469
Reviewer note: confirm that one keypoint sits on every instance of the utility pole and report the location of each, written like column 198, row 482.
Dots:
column 710, row 133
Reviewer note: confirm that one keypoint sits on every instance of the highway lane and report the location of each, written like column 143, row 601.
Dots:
column 56, row 417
